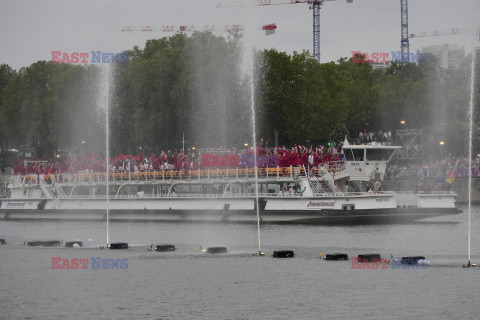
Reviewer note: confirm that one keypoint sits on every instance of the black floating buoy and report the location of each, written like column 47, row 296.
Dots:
column 70, row 244
column 470, row 265
column 2, row 241
column 164, row 247
column 216, row 250
column 411, row 260
column 52, row 243
column 372, row 257
column 34, row 243
column 336, row 256
column 283, row 254
column 119, row 245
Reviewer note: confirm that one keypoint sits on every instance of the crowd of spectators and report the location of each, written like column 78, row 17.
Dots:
column 178, row 160
column 299, row 155
column 445, row 168
column 366, row 136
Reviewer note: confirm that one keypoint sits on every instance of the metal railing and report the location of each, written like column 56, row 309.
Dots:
column 216, row 195
column 274, row 173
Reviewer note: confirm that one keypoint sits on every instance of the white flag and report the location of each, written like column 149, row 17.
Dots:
column 345, row 142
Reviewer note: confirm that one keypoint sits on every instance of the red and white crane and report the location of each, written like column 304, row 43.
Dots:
column 315, row 5
column 235, row 30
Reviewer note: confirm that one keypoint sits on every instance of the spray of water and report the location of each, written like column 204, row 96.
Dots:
column 107, row 142
column 254, row 142
column 470, row 151
column 249, row 66
column 105, row 106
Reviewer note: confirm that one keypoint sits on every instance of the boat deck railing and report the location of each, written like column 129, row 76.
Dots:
column 436, row 192
column 273, row 173
column 226, row 195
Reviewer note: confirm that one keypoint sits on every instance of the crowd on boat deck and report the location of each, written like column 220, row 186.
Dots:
column 298, row 155
column 436, row 168
column 365, row 136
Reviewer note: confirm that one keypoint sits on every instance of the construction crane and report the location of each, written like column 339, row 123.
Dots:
column 235, row 30
column 404, row 44
column 446, row 32
column 444, row 56
column 315, row 5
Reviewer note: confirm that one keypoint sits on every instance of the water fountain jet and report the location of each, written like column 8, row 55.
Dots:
column 248, row 58
column 470, row 152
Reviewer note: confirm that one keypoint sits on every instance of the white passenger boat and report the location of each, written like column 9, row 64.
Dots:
column 342, row 192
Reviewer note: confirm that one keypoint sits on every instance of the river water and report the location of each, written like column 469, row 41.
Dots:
column 189, row 284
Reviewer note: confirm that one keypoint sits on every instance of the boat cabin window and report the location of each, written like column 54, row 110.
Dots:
column 196, row 189
column 358, row 154
column 165, row 189
column 181, row 189
column 264, row 188
column 273, row 188
column 348, row 154
column 379, row 154
column 235, row 188
column 215, row 188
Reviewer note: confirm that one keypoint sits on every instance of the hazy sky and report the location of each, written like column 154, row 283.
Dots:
column 31, row 29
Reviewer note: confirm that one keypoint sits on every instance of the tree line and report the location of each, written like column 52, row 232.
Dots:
column 197, row 89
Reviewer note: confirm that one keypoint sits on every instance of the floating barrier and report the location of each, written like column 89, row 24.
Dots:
column 52, row 243
column 71, row 244
column 283, row 254
column 216, row 250
column 369, row 257
column 119, row 245
column 336, row 257
column 415, row 260
column 35, row 243
column 165, row 248
column 470, row 265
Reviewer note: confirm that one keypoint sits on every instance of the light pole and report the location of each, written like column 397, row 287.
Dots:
column 441, row 143
column 442, row 155
column 82, row 149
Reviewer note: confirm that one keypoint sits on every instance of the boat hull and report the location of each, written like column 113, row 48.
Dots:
column 322, row 217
